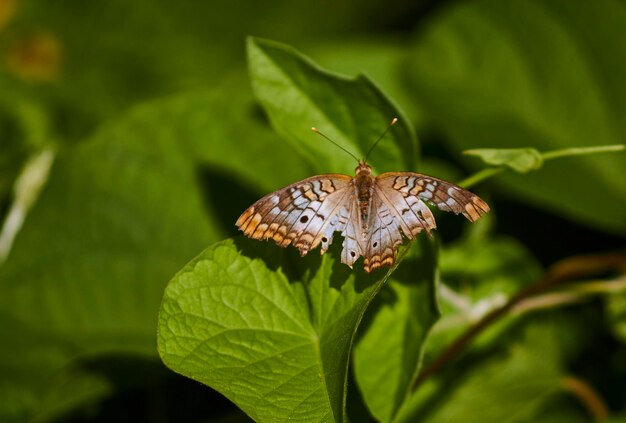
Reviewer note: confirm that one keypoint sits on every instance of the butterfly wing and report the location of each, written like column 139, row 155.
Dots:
column 307, row 214
column 444, row 195
column 384, row 234
column 391, row 215
column 398, row 209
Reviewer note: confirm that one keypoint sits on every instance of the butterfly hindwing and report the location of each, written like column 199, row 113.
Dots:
column 384, row 234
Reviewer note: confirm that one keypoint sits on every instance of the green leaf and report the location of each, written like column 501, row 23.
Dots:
column 24, row 128
column 480, row 266
column 389, row 350
column 521, row 160
column 477, row 276
column 487, row 80
column 511, row 383
column 297, row 94
column 616, row 310
column 121, row 213
column 272, row 334
column 125, row 210
column 582, row 151
column 202, row 339
column 36, row 382
column 227, row 136
column 380, row 57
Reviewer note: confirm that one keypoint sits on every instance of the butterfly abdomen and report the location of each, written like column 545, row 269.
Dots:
column 364, row 183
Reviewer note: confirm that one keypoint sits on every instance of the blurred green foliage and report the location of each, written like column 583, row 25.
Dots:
column 159, row 143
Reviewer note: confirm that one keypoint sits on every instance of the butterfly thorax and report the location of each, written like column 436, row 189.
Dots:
column 364, row 182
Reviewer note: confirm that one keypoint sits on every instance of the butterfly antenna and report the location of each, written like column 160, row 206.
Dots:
column 393, row 122
column 314, row 129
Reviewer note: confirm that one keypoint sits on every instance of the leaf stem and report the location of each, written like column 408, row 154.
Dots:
column 480, row 176
column 582, row 151
column 488, row 172
column 566, row 270
column 574, row 294
column 585, row 393
column 26, row 190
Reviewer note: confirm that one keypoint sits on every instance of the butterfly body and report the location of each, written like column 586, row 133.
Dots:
column 373, row 213
column 364, row 183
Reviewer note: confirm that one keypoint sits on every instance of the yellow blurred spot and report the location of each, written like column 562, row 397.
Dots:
column 35, row 57
column 7, row 11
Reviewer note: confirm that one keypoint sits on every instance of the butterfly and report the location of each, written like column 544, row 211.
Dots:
column 372, row 213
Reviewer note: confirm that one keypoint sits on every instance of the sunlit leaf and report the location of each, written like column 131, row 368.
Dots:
column 273, row 340
column 297, row 95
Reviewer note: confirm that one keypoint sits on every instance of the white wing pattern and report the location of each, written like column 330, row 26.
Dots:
column 373, row 214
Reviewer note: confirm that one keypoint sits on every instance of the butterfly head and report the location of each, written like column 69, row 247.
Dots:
column 363, row 169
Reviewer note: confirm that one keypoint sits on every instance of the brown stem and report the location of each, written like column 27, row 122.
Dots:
column 562, row 271
column 588, row 396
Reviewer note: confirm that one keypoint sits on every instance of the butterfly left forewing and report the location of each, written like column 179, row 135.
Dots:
column 298, row 213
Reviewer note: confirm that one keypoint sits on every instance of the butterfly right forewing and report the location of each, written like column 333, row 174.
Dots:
column 444, row 195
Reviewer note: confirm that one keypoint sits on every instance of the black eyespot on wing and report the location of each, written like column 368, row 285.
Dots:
column 304, row 219
column 324, row 239
column 375, row 245
column 352, row 253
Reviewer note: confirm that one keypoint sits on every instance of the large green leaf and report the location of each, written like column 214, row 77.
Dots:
column 547, row 75
column 270, row 331
column 297, row 95
column 389, row 350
